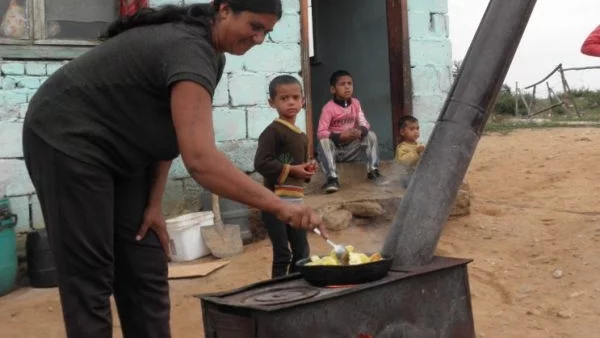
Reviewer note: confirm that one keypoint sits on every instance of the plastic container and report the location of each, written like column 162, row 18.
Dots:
column 8, row 258
column 41, row 267
column 185, row 237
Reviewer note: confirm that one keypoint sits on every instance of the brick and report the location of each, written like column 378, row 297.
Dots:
column 418, row 24
column 12, row 97
column 241, row 153
column 158, row 3
column 14, row 178
column 274, row 58
column 11, row 140
column 439, row 25
column 291, row 6
column 221, row 97
column 258, row 119
column 439, row 6
column 53, row 67
column 28, row 82
column 35, row 68
column 247, row 89
column 37, row 218
column 229, row 124
column 8, row 83
column 178, row 170
column 287, row 30
column 12, row 68
column 20, row 207
column 430, row 52
column 233, row 63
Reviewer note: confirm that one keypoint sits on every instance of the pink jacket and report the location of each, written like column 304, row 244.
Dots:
column 591, row 45
column 335, row 118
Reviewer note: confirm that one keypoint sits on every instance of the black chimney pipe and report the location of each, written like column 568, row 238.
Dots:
column 426, row 206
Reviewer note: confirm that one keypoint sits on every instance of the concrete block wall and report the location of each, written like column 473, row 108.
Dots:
column 431, row 60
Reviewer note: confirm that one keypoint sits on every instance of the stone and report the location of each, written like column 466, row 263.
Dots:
column 337, row 220
column 565, row 314
column 534, row 312
column 557, row 274
column 462, row 204
column 364, row 209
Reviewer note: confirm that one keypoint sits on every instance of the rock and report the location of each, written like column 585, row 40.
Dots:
column 364, row 209
column 534, row 312
column 337, row 220
column 566, row 314
column 583, row 139
column 577, row 294
column 462, row 204
column 558, row 273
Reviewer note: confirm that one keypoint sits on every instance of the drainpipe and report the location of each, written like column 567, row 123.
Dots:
column 426, row 206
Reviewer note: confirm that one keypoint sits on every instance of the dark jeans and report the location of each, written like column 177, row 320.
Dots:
column 92, row 218
column 283, row 237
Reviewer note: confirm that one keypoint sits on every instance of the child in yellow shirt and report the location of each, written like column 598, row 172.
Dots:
column 408, row 152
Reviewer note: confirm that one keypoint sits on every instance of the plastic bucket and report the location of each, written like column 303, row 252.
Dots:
column 8, row 258
column 185, row 237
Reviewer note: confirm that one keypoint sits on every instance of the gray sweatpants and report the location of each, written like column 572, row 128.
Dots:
column 358, row 150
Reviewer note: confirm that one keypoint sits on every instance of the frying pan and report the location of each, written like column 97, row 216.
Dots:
column 324, row 275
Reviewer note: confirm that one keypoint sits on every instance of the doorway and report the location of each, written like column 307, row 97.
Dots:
column 359, row 37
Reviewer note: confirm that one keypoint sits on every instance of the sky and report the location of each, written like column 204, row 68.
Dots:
column 554, row 35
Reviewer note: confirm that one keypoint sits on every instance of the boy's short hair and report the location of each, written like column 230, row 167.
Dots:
column 333, row 79
column 281, row 80
column 406, row 119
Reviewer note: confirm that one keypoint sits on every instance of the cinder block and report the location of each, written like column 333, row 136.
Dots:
column 28, row 82
column 233, row 63
column 8, row 83
column 428, row 107
column 37, row 217
column 178, row 170
column 419, row 24
column 20, row 207
column 11, row 98
column 53, row 67
column 14, row 178
column 430, row 52
column 11, row 139
column 158, row 3
column 12, row 68
column 247, row 89
column 287, row 30
column 221, row 97
column 434, row 6
column 258, row 119
column 241, row 153
column 274, row 58
column 229, row 124
column 190, row 2
column 290, row 6
column 35, row 68
column 439, row 25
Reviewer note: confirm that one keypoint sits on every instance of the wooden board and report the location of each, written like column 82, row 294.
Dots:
column 179, row 270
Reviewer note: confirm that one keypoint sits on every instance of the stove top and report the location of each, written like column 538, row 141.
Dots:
column 293, row 290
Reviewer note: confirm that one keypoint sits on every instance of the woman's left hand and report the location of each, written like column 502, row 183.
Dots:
column 154, row 219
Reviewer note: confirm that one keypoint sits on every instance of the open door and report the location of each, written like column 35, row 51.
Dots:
column 368, row 38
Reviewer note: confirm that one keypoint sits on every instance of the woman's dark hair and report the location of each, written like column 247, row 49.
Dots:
column 198, row 14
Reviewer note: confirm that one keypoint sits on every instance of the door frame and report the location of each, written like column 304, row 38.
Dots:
column 399, row 62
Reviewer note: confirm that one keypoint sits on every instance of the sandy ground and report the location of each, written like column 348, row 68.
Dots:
column 533, row 233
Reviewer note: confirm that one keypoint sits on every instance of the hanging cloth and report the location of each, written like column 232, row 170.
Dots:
column 130, row 7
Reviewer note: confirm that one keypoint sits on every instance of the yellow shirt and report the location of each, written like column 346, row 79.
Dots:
column 407, row 154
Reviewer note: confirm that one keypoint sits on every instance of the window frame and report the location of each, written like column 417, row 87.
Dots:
column 37, row 46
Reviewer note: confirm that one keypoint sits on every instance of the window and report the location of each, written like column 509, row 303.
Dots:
column 55, row 22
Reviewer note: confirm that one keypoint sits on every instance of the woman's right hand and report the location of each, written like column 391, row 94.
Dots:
column 301, row 216
column 300, row 171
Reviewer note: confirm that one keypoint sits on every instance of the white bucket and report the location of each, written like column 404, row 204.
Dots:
column 185, row 237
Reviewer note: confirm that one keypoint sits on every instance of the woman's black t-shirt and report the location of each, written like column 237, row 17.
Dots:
column 111, row 106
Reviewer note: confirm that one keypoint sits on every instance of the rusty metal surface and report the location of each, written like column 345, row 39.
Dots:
column 429, row 301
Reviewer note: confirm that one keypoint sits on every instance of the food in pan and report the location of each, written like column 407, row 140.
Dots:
column 353, row 258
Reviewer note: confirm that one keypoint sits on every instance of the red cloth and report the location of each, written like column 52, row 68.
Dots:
column 591, row 45
column 130, row 7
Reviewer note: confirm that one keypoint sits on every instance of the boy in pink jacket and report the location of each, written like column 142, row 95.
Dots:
column 344, row 133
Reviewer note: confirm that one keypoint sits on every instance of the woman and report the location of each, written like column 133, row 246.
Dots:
column 99, row 138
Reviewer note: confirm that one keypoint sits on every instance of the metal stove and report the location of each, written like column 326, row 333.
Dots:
column 427, row 301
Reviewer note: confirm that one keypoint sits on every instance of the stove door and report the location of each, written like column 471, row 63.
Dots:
column 224, row 325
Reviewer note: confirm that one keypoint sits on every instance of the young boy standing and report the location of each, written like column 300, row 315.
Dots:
column 343, row 132
column 408, row 152
column 282, row 160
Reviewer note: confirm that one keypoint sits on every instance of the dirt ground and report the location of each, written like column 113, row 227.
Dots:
column 533, row 232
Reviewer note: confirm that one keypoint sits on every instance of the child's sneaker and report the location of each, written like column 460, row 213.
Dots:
column 376, row 177
column 332, row 185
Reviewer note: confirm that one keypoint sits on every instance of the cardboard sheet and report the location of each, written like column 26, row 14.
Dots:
column 191, row 270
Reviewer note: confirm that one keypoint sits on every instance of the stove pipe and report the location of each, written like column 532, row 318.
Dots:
column 426, row 206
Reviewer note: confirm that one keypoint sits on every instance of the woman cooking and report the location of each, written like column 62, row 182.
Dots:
column 98, row 141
